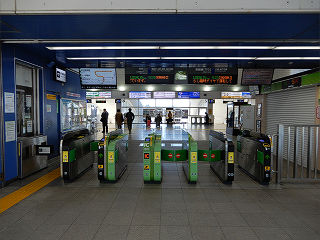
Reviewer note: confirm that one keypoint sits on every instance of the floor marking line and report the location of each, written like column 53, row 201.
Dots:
column 25, row 191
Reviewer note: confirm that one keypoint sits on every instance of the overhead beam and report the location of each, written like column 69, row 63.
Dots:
column 156, row 6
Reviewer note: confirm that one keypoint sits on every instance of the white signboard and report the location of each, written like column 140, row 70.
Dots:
column 98, row 94
column 9, row 102
column 164, row 95
column 48, row 108
column 233, row 95
column 139, row 94
column 10, row 131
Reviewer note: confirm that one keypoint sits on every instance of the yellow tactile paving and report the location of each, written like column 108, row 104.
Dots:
column 22, row 193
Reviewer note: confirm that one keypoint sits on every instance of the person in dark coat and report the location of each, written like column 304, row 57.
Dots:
column 119, row 118
column 158, row 120
column 130, row 118
column 206, row 118
column 148, row 120
column 104, row 120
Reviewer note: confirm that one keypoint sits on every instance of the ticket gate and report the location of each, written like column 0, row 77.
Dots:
column 254, row 155
column 75, row 154
column 153, row 155
column 220, row 155
column 112, row 156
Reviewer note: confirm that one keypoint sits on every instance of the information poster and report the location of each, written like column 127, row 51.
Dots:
column 10, row 131
column 9, row 102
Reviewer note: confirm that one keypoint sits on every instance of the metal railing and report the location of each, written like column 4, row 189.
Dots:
column 296, row 153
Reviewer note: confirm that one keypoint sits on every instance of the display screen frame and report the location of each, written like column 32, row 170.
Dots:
column 97, row 86
column 61, row 69
column 257, row 83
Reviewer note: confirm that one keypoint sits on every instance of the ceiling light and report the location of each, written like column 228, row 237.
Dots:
column 207, row 89
column 288, row 58
column 150, row 88
column 104, row 48
column 178, row 88
column 122, row 88
column 113, row 58
column 297, row 48
column 214, row 47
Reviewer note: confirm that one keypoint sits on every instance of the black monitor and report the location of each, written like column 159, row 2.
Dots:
column 257, row 76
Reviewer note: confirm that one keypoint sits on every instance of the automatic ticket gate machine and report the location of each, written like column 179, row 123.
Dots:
column 220, row 155
column 152, row 172
column 153, row 155
column 76, row 154
column 254, row 155
column 112, row 156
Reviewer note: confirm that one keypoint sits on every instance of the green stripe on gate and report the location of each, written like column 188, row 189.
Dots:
column 203, row 155
column 72, row 155
column 260, row 157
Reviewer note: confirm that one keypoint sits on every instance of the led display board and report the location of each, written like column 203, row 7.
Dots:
column 139, row 94
column 211, row 76
column 188, row 94
column 152, row 75
column 257, row 76
column 164, row 95
column 235, row 95
column 100, row 78
column 98, row 94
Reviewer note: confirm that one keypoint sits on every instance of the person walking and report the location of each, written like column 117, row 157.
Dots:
column 130, row 118
column 206, row 118
column 169, row 120
column 158, row 120
column 148, row 120
column 119, row 118
column 104, row 120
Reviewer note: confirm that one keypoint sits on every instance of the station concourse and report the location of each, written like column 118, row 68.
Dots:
column 159, row 120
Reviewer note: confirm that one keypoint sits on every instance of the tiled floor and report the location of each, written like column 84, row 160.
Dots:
column 128, row 209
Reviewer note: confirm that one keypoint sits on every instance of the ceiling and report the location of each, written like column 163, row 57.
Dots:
column 36, row 32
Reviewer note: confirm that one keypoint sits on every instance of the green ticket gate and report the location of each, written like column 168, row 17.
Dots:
column 220, row 155
column 112, row 156
column 153, row 155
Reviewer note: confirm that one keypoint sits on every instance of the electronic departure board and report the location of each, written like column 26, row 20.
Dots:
column 152, row 75
column 207, row 75
column 257, row 76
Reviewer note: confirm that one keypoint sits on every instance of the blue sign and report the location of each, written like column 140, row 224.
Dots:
column 188, row 94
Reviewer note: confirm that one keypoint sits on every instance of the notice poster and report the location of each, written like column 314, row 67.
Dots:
column 29, row 126
column 10, row 131
column 48, row 108
column 8, row 102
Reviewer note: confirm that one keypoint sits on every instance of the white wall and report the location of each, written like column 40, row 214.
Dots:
column 219, row 111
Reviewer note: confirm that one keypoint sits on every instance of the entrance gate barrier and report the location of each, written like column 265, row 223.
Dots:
column 220, row 155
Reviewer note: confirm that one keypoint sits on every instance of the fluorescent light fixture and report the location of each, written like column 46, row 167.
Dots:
column 208, row 58
column 287, row 58
column 114, row 58
column 215, row 47
column 297, row 48
column 105, row 48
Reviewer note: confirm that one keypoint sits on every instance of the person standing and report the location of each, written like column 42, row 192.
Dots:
column 104, row 120
column 119, row 118
column 206, row 118
column 148, row 120
column 158, row 120
column 130, row 118
column 169, row 120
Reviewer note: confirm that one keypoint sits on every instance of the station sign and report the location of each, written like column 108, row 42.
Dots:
column 139, row 94
column 236, row 95
column 98, row 94
column 188, row 94
column 164, row 95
